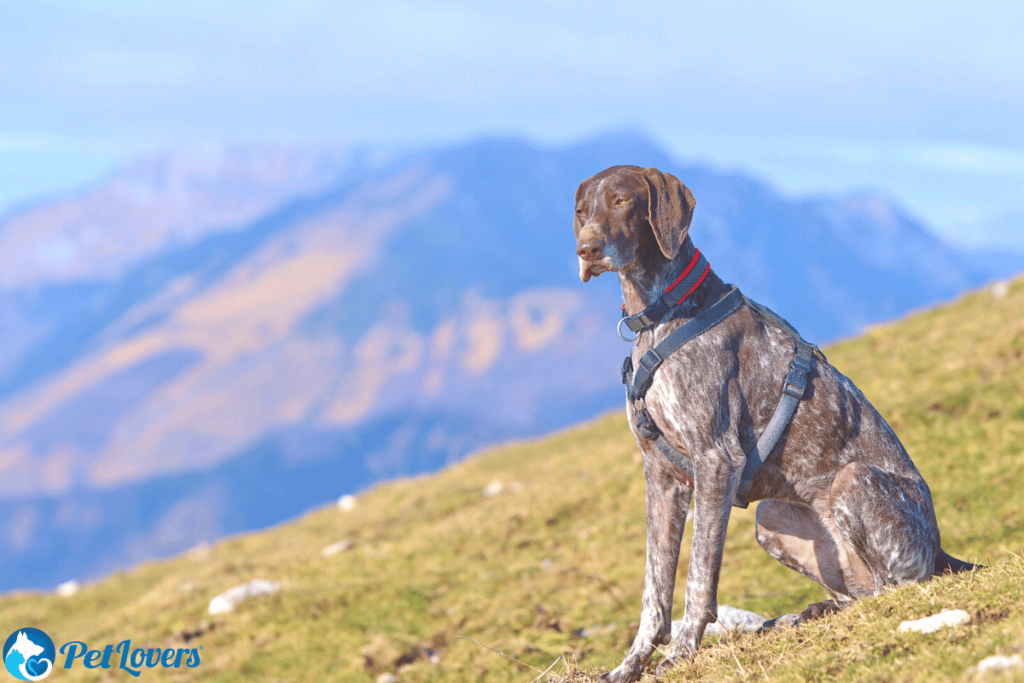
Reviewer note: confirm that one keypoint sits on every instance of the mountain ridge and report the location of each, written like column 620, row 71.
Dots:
column 385, row 326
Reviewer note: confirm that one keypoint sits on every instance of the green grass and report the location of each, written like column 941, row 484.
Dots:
column 520, row 572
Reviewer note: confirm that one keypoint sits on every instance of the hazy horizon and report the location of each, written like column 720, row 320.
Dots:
column 921, row 102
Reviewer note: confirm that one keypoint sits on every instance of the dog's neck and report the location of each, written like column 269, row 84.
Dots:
column 651, row 273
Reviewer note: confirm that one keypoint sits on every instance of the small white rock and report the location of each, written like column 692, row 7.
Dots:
column 387, row 678
column 200, row 551
column 496, row 487
column 335, row 548
column 68, row 588
column 931, row 624
column 347, row 503
column 229, row 599
column 997, row 663
column 1000, row 289
column 547, row 563
column 729, row 619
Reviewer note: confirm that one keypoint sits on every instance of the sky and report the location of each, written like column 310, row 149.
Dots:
column 922, row 101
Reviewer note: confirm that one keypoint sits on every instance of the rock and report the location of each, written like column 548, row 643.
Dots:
column 200, row 551
column 595, row 630
column 729, row 619
column 231, row 598
column 1000, row 289
column 387, row 678
column 335, row 548
column 347, row 503
column 997, row 663
column 68, row 588
column 933, row 623
column 547, row 564
column 496, row 487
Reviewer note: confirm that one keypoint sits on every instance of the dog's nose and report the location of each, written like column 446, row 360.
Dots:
column 590, row 249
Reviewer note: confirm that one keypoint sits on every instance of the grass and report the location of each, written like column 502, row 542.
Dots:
column 434, row 562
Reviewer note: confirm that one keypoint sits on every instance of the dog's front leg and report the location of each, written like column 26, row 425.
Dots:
column 668, row 501
column 716, row 481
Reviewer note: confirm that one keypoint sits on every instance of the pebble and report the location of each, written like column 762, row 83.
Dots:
column 496, row 487
column 931, row 624
column 347, row 503
column 997, row 663
column 387, row 678
column 1000, row 289
column 335, row 548
column 200, row 551
column 231, row 598
column 68, row 588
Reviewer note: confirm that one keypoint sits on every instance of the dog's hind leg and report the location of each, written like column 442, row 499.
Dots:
column 888, row 522
column 879, row 531
column 795, row 536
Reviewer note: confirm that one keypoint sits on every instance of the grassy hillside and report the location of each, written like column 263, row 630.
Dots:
column 561, row 548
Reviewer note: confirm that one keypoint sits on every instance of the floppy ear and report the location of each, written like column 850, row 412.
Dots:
column 580, row 191
column 670, row 207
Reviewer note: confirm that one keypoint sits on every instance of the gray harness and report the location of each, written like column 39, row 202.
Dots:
column 637, row 383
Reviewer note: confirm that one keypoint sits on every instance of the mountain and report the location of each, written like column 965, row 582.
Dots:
column 195, row 348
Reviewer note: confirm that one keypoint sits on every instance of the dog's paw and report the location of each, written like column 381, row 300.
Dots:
column 670, row 662
column 686, row 641
column 627, row 672
column 785, row 621
column 675, row 655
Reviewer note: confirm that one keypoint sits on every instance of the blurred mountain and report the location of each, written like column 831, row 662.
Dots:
column 203, row 346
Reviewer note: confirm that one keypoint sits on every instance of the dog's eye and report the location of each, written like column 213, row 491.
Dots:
column 579, row 212
column 620, row 201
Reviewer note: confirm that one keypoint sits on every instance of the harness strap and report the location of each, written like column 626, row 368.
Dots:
column 793, row 388
column 682, row 462
column 704, row 321
column 792, row 393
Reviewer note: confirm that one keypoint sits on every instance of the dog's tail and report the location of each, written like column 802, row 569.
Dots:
column 947, row 564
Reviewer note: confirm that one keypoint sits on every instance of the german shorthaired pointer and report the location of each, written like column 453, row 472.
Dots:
column 842, row 503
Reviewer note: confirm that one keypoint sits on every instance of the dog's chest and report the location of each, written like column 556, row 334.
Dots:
column 686, row 390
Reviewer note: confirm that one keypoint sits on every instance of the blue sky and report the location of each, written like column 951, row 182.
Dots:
column 922, row 100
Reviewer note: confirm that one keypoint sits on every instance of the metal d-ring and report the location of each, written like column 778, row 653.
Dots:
column 622, row 336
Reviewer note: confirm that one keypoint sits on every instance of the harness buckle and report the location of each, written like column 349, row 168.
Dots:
column 796, row 382
column 651, row 360
column 644, row 423
column 802, row 364
column 794, row 390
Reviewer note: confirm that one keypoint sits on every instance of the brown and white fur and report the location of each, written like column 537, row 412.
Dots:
column 842, row 503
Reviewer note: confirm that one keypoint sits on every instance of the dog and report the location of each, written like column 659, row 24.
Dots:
column 841, row 501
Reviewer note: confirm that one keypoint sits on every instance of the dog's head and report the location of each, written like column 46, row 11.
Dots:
column 625, row 210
